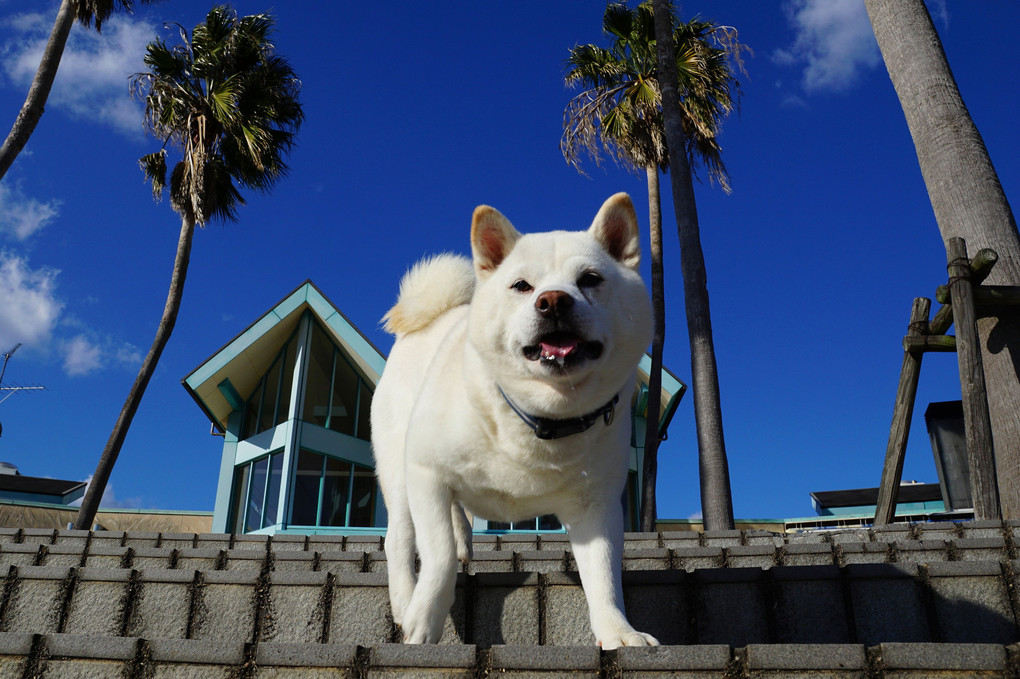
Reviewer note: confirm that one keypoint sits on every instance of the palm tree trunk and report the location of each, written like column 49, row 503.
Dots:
column 716, row 501
column 35, row 103
column 968, row 202
column 649, row 512
column 90, row 504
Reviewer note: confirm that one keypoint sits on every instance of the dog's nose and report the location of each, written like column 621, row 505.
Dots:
column 554, row 303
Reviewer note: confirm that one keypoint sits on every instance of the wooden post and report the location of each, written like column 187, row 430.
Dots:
column 942, row 320
column 889, row 488
column 977, row 424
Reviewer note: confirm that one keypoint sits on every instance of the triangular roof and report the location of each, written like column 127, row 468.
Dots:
column 244, row 359
column 669, row 396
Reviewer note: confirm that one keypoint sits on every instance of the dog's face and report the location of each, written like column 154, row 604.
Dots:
column 561, row 317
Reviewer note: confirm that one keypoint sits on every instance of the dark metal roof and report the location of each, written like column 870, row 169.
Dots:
column 860, row 497
column 38, row 485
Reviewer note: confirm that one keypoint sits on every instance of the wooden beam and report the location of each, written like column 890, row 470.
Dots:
column 903, row 410
column 937, row 343
column 986, row 295
column 981, row 265
column 977, row 424
column 942, row 320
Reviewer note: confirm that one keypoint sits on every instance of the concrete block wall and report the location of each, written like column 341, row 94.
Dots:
column 903, row 601
column 67, row 656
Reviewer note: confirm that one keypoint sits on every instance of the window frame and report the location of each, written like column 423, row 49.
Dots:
column 279, row 365
column 243, row 477
column 352, row 468
column 361, row 386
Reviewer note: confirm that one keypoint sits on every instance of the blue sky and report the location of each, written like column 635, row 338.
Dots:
column 415, row 114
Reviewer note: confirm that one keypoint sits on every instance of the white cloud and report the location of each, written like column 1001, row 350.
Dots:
column 31, row 313
column 30, row 307
column 833, row 43
column 21, row 216
column 128, row 356
column 92, row 81
column 81, row 356
column 109, row 499
column 89, row 351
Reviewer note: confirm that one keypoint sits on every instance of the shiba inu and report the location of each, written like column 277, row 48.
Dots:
column 507, row 394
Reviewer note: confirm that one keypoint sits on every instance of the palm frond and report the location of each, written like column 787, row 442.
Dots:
column 154, row 167
column 618, row 20
column 619, row 110
column 88, row 12
column 228, row 103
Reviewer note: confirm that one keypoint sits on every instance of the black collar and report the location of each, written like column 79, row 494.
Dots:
column 546, row 428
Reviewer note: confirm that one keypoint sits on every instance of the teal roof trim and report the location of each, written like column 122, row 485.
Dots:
column 357, row 341
column 305, row 297
column 234, row 348
column 346, row 330
column 672, row 385
column 229, row 393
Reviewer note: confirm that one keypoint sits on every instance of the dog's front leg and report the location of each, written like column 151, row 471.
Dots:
column 597, row 542
column 430, row 502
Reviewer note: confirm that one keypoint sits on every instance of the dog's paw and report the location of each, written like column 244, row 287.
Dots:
column 630, row 638
column 412, row 636
column 464, row 552
column 415, row 633
column 422, row 626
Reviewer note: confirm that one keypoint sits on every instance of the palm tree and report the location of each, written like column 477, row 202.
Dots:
column 620, row 111
column 86, row 12
column 681, row 137
column 229, row 104
column 968, row 201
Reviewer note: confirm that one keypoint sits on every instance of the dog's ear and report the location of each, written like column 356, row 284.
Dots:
column 616, row 229
column 492, row 239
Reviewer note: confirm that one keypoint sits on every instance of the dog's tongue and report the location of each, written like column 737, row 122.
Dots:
column 559, row 345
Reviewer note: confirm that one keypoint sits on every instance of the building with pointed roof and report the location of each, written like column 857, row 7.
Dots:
column 291, row 395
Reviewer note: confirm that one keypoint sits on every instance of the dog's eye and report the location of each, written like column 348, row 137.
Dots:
column 589, row 279
column 522, row 286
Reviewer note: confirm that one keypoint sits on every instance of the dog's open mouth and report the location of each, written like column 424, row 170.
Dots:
column 562, row 349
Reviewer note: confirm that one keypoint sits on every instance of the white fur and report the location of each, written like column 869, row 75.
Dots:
column 444, row 438
column 420, row 302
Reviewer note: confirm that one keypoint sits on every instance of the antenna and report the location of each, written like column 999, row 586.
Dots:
column 12, row 388
column 7, row 357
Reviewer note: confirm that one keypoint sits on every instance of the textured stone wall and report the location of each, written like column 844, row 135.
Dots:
column 910, row 600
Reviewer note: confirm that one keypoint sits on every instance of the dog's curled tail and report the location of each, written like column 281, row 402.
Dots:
column 432, row 286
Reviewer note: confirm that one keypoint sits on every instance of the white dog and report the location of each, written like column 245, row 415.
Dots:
column 507, row 393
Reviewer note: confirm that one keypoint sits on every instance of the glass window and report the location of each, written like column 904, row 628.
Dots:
column 344, row 406
column 269, row 516
column 362, row 497
column 364, row 409
column 270, row 389
column 306, row 489
column 240, row 495
column 286, row 382
column 335, row 486
column 257, row 494
column 269, row 404
column 336, row 396
column 547, row 522
column 327, row 494
column 319, row 377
